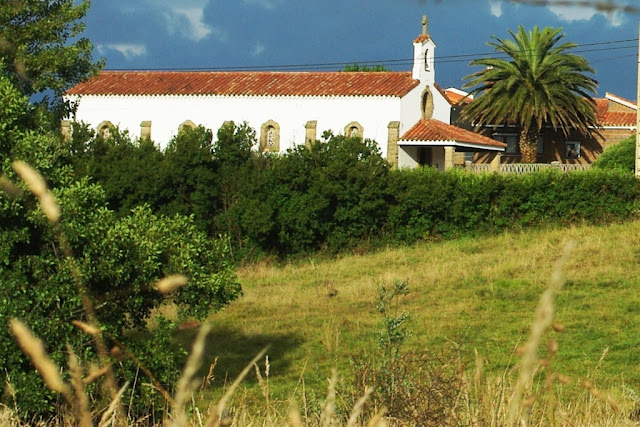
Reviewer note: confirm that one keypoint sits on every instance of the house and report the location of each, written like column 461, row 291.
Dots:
column 616, row 118
column 406, row 113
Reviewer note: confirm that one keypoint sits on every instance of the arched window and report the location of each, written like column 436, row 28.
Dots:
column 426, row 105
column 354, row 130
column 104, row 129
column 270, row 137
column 188, row 124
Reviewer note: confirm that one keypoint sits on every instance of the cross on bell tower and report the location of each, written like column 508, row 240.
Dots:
column 425, row 23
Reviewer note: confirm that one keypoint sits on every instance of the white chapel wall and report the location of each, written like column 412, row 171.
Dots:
column 167, row 113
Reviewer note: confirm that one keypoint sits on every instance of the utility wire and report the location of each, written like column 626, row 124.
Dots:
column 468, row 57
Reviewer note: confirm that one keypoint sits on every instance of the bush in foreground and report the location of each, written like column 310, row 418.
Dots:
column 621, row 156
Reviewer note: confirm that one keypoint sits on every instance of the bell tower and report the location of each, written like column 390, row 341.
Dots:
column 423, row 55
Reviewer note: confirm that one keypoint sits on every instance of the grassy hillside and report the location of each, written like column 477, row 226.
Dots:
column 469, row 294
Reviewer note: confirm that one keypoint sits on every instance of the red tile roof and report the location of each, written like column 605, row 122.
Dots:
column 454, row 96
column 422, row 38
column 435, row 130
column 247, row 83
column 613, row 118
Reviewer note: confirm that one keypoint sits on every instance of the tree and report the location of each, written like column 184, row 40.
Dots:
column 41, row 47
column 365, row 67
column 538, row 83
column 116, row 261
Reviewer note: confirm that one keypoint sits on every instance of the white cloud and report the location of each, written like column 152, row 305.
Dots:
column 128, row 50
column 585, row 13
column 258, row 49
column 186, row 18
column 189, row 23
column 496, row 8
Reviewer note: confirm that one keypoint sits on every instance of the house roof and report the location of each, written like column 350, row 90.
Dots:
column 394, row 84
column 454, row 96
column 615, row 118
column 432, row 130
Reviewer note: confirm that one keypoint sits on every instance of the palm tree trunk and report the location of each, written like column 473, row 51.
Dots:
column 528, row 143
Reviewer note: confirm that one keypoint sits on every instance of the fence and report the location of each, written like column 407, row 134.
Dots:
column 520, row 168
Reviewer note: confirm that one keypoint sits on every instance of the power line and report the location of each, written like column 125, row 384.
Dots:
column 467, row 57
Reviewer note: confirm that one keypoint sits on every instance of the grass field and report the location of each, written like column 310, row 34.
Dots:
column 465, row 295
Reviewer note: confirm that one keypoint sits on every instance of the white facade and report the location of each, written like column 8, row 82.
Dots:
column 165, row 113
column 291, row 113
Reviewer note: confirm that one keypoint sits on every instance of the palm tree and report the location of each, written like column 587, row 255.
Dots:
column 538, row 83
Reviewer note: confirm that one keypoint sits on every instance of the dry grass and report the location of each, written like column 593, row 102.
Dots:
column 472, row 294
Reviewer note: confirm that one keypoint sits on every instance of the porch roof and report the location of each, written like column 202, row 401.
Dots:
column 432, row 132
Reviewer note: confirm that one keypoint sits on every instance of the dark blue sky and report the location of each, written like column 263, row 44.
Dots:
column 214, row 34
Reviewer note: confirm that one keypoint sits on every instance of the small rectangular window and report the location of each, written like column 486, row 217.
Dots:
column 540, row 148
column 572, row 150
column 511, row 139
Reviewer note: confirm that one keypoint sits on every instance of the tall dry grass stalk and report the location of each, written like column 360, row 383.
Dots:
column 170, row 283
column 188, row 382
column 34, row 348
column 542, row 322
column 82, row 409
column 328, row 414
column 216, row 419
column 38, row 187
column 110, row 416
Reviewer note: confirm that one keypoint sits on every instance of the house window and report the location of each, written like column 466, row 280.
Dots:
column 270, row 137
column 572, row 150
column 540, row 148
column 511, row 139
column 353, row 130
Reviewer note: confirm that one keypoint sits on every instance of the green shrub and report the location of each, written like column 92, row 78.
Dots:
column 620, row 156
column 130, row 172
column 429, row 203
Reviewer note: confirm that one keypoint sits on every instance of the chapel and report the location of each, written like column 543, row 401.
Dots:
column 406, row 113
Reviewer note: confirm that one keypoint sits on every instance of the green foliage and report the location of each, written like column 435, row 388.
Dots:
column 537, row 83
column 621, row 156
column 393, row 332
column 414, row 388
column 117, row 258
column 365, row 67
column 429, row 203
column 42, row 47
column 331, row 196
column 130, row 172
column 191, row 185
column 339, row 194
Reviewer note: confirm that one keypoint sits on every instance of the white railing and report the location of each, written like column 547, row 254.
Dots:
column 478, row 167
column 521, row 168
column 571, row 168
